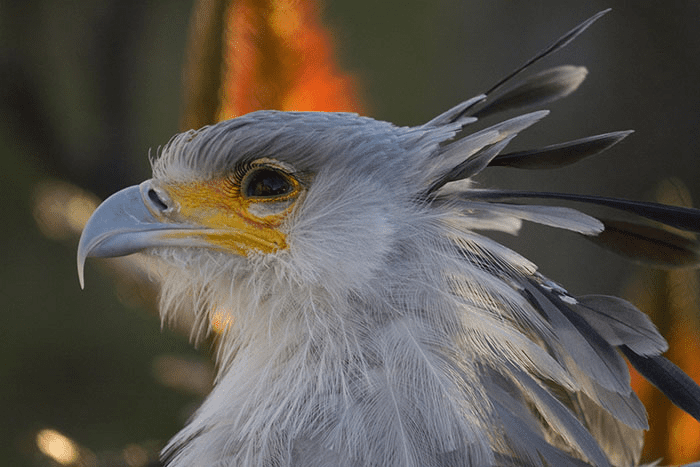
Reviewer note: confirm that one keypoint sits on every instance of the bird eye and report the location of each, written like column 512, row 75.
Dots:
column 265, row 182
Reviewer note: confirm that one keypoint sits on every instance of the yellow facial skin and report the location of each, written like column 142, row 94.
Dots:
column 224, row 214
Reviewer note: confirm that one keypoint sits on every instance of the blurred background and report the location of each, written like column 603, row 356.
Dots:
column 88, row 88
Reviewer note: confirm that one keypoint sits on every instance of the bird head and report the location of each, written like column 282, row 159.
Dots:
column 311, row 203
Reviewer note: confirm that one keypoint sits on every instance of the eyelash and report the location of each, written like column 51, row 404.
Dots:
column 242, row 168
column 240, row 171
column 235, row 177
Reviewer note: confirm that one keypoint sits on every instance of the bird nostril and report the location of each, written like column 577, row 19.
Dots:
column 153, row 196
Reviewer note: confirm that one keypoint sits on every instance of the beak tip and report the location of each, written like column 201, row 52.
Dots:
column 81, row 271
column 121, row 213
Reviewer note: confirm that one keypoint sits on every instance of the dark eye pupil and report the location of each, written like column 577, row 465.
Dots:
column 266, row 183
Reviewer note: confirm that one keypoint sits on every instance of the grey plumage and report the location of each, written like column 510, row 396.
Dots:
column 382, row 328
column 559, row 155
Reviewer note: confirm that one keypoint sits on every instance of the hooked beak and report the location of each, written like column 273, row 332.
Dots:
column 128, row 222
column 200, row 214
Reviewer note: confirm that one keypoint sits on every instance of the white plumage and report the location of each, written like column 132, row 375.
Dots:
column 371, row 321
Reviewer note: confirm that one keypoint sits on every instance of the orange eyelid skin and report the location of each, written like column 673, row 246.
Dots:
column 221, row 210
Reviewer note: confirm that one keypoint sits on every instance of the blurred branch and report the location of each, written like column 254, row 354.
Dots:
column 202, row 74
